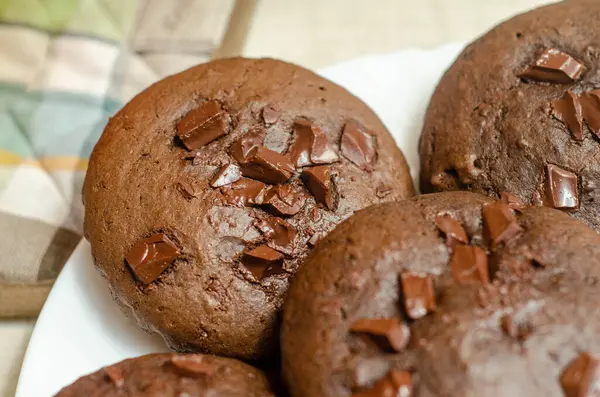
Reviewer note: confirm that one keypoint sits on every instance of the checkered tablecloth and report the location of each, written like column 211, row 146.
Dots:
column 66, row 66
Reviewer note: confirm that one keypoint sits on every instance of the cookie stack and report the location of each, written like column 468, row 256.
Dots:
column 252, row 210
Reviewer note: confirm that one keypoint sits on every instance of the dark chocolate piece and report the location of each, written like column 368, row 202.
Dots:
column 469, row 264
column 562, row 191
column 270, row 115
column 192, row 366
column 310, row 146
column 245, row 192
column 397, row 383
column 568, row 110
column 267, row 166
column 284, row 200
column 513, row 201
column 319, row 183
column 203, row 125
column 452, row 229
column 390, row 333
column 590, row 104
column 226, row 175
column 115, row 375
column 580, row 377
column 358, row 146
column 279, row 234
column 418, row 293
column 149, row 257
column 554, row 66
column 243, row 146
column 500, row 223
column 263, row 261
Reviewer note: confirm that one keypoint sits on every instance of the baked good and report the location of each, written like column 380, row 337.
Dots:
column 173, row 375
column 519, row 112
column 453, row 295
column 206, row 192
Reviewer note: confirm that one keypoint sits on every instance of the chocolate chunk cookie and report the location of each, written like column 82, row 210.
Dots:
column 173, row 375
column 447, row 294
column 206, row 192
column 519, row 111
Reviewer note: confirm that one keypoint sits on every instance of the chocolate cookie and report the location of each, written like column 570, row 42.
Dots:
column 519, row 111
column 207, row 191
column 448, row 294
column 173, row 375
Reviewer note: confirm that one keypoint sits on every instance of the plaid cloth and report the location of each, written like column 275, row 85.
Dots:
column 66, row 66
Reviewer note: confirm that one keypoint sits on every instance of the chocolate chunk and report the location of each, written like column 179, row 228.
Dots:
column 196, row 157
column 418, row 293
column 390, row 333
column 244, row 192
column 513, row 201
column 284, row 200
column 270, row 115
column 267, row 166
column 515, row 329
column 319, row 184
column 452, row 229
column 310, row 146
column 243, row 146
column 358, row 146
column 554, row 66
column 397, row 383
column 263, row 261
column 580, row 377
column 500, row 223
column 561, row 188
column 192, row 366
column 279, row 234
column 115, row 375
column 187, row 189
column 590, row 104
column 226, row 175
column 469, row 264
column 203, row 125
column 568, row 110
column 149, row 257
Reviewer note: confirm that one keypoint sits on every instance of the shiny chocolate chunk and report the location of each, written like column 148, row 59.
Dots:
column 226, row 175
column 554, row 66
column 270, row 115
column 192, row 366
column 561, row 187
column 568, row 110
column 500, row 223
column 580, row 377
column 513, row 201
column 267, row 166
column 358, row 146
column 469, row 264
column 149, row 257
column 115, row 375
column 418, row 293
column 263, row 261
column 310, row 146
column 319, row 183
column 284, row 200
column 203, row 125
column 515, row 329
column 389, row 333
column 279, row 234
column 243, row 146
column 590, row 104
column 245, row 192
column 397, row 383
column 187, row 188
column 452, row 229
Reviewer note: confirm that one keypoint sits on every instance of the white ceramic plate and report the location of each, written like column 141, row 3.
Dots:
column 80, row 329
